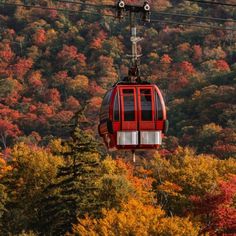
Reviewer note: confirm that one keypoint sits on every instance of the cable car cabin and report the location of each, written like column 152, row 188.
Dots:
column 133, row 116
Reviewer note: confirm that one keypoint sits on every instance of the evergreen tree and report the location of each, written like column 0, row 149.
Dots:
column 76, row 191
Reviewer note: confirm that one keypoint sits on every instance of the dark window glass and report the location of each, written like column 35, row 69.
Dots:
column 129, row 112
column 116, row 108
column 145, row 91
column 106, row 98
column 146, row 105
column 128, row 91
column 159, row 110
column 104, row 112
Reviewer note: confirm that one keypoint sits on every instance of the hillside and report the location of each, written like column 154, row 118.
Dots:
column 55, row 174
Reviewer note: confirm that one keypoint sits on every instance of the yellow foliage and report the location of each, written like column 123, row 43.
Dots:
column 195, row 174
column 33, row 168
column 57, row 147
column 51, row 35
column 212, row 127
column 108, row 166
column 80, row 82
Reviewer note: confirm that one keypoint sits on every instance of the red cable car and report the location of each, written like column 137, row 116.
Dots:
column 133, row 113
column 133, row 116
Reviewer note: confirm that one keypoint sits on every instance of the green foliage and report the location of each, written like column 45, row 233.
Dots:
column 75, row 192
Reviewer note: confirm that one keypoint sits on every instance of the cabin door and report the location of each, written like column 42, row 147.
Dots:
column 129, row 116
column 146, row 109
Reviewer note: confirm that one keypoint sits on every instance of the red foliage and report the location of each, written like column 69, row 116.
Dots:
column 36, row 136
column 81, row 58
column 68, row 52
column 187, row 68
column 63, row 116
column 53, row 14
column 222, row 65
column 218, row 206
column 178, row 84
column 95, row 89
column 12, row 99
column 61, row 78
column 6, row 54
column 53, row 96
column 72, row 104
column 7, row 113
column 7, row 129
column 97, row 42
column 22, row 67
column 32, row 108
column 197, row 52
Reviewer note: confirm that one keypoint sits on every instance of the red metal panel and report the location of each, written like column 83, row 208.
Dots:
column 116, row 126
column 159, row 125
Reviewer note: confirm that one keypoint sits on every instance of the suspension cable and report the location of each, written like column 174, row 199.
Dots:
column 86, row 4
column 195, row 25
column 54, row 9
column 213, row 3
column 109, row 15
column 194, row 16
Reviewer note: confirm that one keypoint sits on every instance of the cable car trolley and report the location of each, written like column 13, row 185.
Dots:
column 133, row 113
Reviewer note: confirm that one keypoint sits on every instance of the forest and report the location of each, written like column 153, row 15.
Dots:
column 56, row 176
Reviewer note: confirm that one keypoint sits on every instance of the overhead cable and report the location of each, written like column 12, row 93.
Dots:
column 213, row 3
column 86, row 4
column 190, row 24
column 109, row 15
column 55, row 9
column 193, row 16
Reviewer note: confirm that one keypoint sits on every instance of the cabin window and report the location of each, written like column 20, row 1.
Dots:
column 159, row 110
column 106, row 98
column 129, row 109
column 104, row 112
column 146, row 104
column 116, row 114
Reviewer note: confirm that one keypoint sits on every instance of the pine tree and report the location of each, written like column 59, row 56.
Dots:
column 76, row 191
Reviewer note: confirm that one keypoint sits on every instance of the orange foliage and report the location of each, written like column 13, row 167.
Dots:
column 166, row 59
column 39, row 37
column 35, row 79
column 135, row 218
column 197, row 52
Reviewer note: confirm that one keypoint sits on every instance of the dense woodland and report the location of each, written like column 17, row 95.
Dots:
column 56, row 177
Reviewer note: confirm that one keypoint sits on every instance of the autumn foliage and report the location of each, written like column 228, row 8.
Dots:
column 57, row 178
